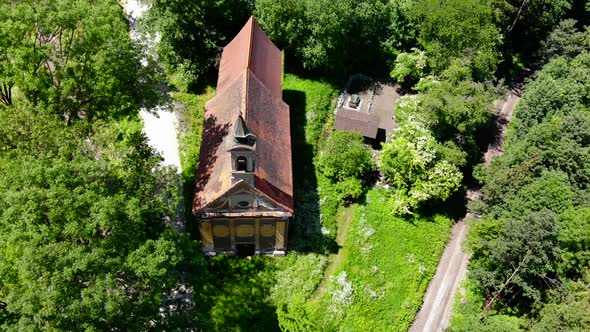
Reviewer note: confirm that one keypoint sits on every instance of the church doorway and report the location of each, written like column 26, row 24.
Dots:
column 245, row 249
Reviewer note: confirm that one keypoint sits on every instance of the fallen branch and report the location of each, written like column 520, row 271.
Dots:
column 488, row 306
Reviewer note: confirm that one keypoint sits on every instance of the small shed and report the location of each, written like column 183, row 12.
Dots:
column 367, row 107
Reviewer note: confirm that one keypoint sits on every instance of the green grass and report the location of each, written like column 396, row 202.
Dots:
column 310, row 104
column 312, row 98
column 298, row 274
column 389, row 262
column 190, row 109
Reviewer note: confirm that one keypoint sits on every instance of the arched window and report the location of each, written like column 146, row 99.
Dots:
column 242, row 163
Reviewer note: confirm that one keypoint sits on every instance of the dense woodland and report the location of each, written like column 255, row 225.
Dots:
column 86, row 207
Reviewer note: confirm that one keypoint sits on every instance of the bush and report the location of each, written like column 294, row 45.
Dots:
column 414, row 167
column 345, row 156
column 346, row 161
column 410, row 67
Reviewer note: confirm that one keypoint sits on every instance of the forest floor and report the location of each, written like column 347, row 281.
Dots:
column 436, row 310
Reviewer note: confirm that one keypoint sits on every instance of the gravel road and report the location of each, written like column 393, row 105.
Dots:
column 437, row 308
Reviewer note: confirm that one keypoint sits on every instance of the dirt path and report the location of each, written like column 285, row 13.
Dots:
column 437, row 308
column 439, row 295
column 335, row 260
column 160, row 125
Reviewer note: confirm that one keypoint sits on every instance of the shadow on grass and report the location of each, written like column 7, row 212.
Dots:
column 306, row 228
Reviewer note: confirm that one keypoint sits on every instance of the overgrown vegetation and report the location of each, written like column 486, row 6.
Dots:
column 191, row 34
column 85, row 204
column 337, row 37
column 387, row 264
column 190, row 109
column 346, row 161
column 415, row 167
column 530, row 248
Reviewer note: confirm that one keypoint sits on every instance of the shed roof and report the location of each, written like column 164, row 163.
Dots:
column 352, row 120
column 250, row 75
column 375, row 110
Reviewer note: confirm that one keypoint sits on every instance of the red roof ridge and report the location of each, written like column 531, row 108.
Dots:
column 262, row 58
column 250, row 24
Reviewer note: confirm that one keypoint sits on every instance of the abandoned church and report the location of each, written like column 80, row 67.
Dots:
column 244, row 186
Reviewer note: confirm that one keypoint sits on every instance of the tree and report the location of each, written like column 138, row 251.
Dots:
column 530, row 245
column 83, row 243
column 525, row 23
column 457, row 29
column 344, row 155
column 559, row 88
column 287, row 24
column 522, row 259
column 574, row 240
column 568, row 308
column 454, row 108
column 337, row 37
column 346, row 161
column 410, row 67
column 565, row 40
column 192, row 35
column 413, row 167
column 74, row 58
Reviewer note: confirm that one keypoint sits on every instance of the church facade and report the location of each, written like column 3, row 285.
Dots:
column 244, row 186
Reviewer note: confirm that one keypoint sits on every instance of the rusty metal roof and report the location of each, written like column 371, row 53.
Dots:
column 249, row 82
column 375, row 110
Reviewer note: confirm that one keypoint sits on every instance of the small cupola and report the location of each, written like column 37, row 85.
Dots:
column 242, row 146
column 242, row 134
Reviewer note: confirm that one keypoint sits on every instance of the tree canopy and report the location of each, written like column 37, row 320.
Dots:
column 336, row 36
column 346, row 161
column 416, row 169
column 530, row 249
column 459, row 29
column 192, row 35
column 73, row 59
column 84, row 201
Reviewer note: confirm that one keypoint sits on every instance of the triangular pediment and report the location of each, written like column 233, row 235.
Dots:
column 243, row 198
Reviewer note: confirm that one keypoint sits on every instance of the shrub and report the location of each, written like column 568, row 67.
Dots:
column 410, row 67
column 346, row 161
column 415, row 168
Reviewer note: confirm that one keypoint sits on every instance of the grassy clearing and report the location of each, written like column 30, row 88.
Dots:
column 388, row 264
column 344, row 219
column 314, row 100
column 310, row 104
column 299, row 274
